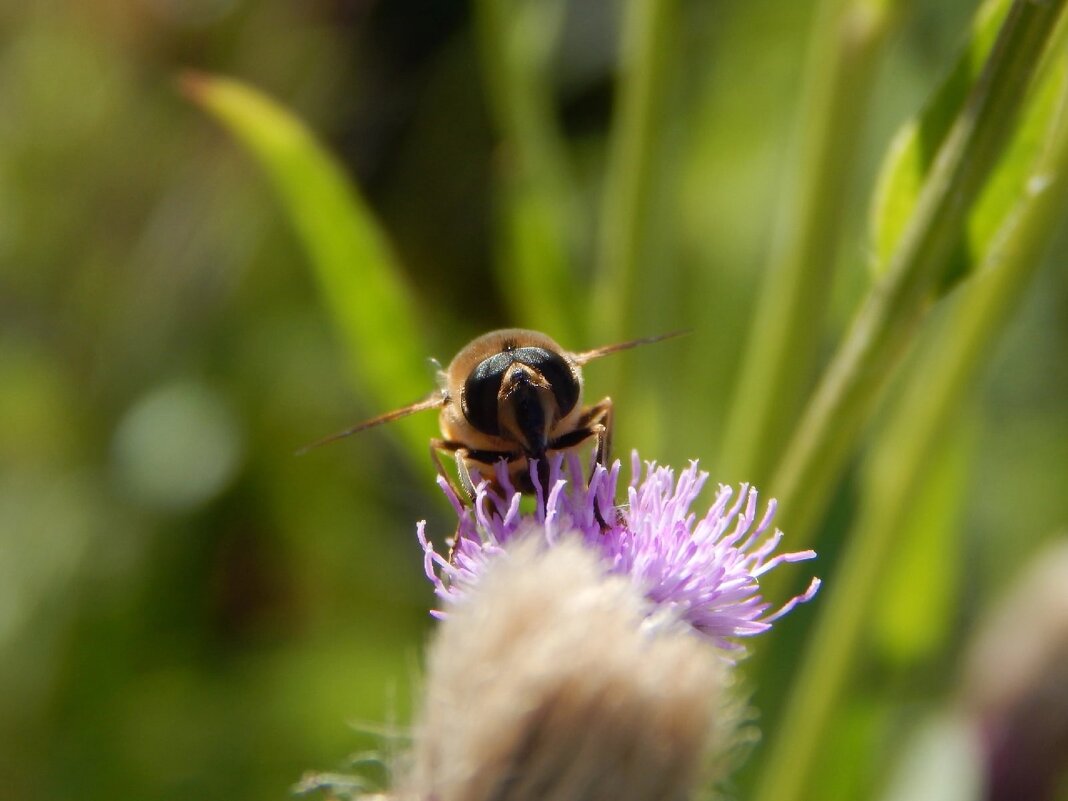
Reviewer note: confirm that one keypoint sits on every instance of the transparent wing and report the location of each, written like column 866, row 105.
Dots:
column 589, row 355
column 433, row 401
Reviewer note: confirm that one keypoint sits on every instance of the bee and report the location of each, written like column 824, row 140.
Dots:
column 513, row 395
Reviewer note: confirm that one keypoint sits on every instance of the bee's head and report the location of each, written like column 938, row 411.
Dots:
column 520, row 394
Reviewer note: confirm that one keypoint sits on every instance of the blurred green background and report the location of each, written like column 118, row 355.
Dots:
column 187, row 610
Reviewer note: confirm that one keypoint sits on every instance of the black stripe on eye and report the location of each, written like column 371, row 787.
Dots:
column 478, row 401
column 557, row 372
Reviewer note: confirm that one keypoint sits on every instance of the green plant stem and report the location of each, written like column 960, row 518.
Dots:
column 788, row 323
column 843, row 401
column 649, row 41
column 898, row 466
column 542, row 218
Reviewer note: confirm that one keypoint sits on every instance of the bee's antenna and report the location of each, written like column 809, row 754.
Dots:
column 435, row 400
column 597, row 353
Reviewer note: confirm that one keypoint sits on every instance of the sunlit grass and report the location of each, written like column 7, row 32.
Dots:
column 140, row 251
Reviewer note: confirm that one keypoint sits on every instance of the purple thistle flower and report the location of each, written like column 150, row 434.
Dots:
column 705, row 572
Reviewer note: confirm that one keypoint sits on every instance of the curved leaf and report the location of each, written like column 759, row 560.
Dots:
column 912, row 154
column 361, row 282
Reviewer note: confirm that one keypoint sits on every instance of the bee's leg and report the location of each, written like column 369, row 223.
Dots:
column 601, row 425
column 464, row 472
column 467, row 487
column 596, row 422
column 461, row 455
column 442, row 445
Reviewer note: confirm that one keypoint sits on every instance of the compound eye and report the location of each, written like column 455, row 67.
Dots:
column 557, row 372
column 478, row 400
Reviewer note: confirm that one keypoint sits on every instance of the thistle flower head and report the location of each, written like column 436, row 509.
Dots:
column 704, row 571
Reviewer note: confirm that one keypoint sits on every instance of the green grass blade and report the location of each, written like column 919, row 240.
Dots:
column 912, row 154
column 912, row 151
column 787, row 329
column 649, row 47
column 361, row 283
column 935, row 391
column 891, row 313
column 541, row 219
column 920, row 591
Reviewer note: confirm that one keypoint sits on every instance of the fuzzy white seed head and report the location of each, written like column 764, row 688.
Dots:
column 549, row 681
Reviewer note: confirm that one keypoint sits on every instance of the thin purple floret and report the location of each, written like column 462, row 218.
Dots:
column 702, row 571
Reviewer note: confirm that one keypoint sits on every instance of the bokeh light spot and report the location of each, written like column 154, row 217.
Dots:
column 178, row 447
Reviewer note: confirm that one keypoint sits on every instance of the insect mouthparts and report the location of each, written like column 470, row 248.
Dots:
column 523, row 397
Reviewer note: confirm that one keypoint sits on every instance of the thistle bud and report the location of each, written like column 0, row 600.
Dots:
column 550, row 681
column 1017, row 684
